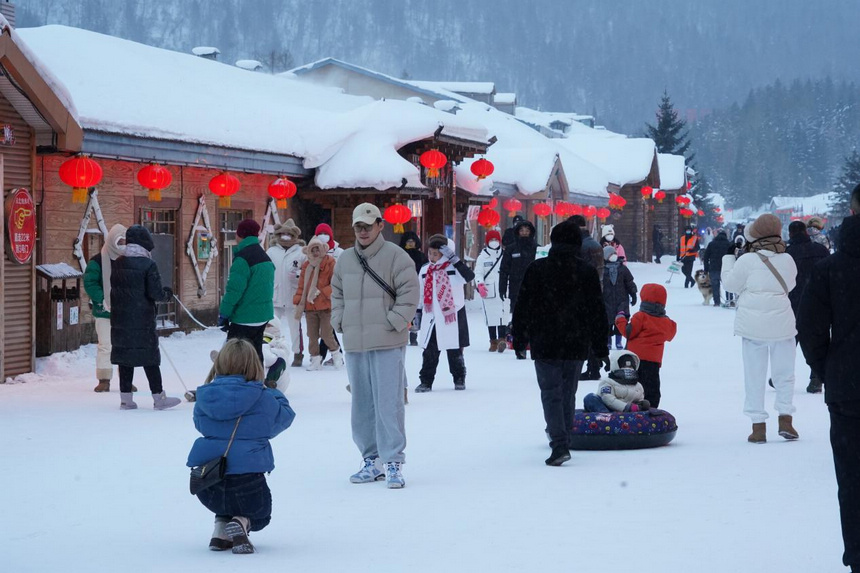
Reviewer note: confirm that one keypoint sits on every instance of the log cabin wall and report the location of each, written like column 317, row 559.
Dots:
column 633, row 224
column 121, row 199
column 667, row 219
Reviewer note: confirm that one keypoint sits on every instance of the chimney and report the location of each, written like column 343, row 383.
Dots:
column 7, row 9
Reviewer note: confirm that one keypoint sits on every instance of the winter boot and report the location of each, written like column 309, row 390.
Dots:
column 161, row 402
column 237, row 530
column 502, row 345
column 460, row 384
column 297, row 360
column 759, row 433
column 337, row 359
column 494, row 345
column 423, row 387
column 220, row 540
column 316, row 363
column 275, row 372
column 394, row 475
column 413, row 339
column 126, row 401
column 369, row 472
column 559, row 455
column 786, row 430
column 103, row 386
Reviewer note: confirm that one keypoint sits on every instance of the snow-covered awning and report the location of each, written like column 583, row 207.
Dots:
column 672, row 171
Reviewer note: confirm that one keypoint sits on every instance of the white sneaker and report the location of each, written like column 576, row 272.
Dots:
column 369, row 472
column 394, row 475
column 337, row 359
column 316, row 363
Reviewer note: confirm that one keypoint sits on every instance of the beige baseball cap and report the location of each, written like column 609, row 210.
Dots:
column 366, row 213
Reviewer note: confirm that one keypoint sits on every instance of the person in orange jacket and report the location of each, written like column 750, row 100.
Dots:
column 647, row 332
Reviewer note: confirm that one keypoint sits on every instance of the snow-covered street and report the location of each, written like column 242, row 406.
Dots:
column 88, row 487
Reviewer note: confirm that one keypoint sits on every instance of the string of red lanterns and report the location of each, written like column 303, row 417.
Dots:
column 80, row 173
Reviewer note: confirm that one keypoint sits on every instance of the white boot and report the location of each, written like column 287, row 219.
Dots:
column 126, row 401
column 316, row 363
column 160, row 401
column 337, row 359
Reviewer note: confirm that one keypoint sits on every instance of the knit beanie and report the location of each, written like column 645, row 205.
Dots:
column 608, row 251
column 139, row 235
column 492, row 236
column 566, row 233
column 767, row 225
column 248, row 228
column 288, row 227
column 607, row 230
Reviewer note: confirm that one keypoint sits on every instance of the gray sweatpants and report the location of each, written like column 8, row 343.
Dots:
column 377, row 379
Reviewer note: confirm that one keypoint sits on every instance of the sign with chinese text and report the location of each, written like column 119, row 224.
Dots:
column 20, row 225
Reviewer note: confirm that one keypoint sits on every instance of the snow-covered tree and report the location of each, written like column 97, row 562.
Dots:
column 849, row 179
column 669, row 133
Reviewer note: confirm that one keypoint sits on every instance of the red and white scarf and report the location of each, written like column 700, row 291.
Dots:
column 445, row 295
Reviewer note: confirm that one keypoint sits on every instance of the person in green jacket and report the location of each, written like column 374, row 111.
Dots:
column 247, row 305
column 97, row 286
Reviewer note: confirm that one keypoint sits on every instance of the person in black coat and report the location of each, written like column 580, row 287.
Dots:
column 411, row 243
column 657, row 240
column 714, row 253
column 829, row 332
column 619, row 292
column 510, row 236
column 516, row 258
column 135, row 288
column 560, row 314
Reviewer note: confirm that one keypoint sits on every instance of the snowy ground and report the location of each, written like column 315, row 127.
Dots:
column 90, row 487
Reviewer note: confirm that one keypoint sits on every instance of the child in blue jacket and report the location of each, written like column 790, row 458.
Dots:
column 242, row 501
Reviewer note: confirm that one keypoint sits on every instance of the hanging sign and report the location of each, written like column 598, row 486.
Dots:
column 21, row 225
column 7, row 135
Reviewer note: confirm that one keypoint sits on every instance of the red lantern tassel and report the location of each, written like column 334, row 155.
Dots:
column 224, row 202
column 281, row 203
column 398, row 228
column 154, row 195
column 432, row 172
column 79, row 194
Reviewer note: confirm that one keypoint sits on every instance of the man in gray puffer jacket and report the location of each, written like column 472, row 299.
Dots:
column 375, row 327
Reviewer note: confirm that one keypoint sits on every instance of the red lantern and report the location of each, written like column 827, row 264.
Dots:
column 542, row 210
column 433, row 160
column 689, row 185
column 621, row 202
column 603, row 214
column 80, row 173
column 280, row 190
column 482, row 169
column 647, row 191
column 224, row 185
column 717, row 210
column 493, row 203
column 488, row 218
column 154, row 178
column 562, row 209
column 512, row 206
column 660, row 195
column 687, row 213
column 574, row 210
column 720, row 219
column 589, row 211
column 397, row 214
column 700, row 213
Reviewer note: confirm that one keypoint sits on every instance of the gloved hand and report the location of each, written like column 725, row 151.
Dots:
column 633, row 300
column 482, row 290
column 167, row 294
column 223, row 322
column 606, row 364
column 449, row 254
column 633, row 407
column 643, row 405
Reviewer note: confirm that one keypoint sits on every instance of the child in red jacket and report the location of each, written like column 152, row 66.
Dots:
column 647, row 332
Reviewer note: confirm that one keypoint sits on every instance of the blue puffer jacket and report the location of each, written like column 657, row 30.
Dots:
column 265, row 414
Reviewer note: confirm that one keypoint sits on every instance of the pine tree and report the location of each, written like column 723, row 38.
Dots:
column 849, row 179
column 669, row 134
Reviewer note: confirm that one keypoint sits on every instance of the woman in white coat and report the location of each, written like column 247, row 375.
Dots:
column 443, row 323
column 286, row 254
column 762, row 279
column 496, row 314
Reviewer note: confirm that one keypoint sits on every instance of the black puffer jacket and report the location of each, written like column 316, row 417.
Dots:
column 715, row 252
column 805, row 253
column 560, row 309
column 616, row 297
column 515, row 260
column 417, row 255
column 135, row 288
column 829, row 318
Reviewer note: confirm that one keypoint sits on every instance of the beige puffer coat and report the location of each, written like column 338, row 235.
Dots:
column 368, row 318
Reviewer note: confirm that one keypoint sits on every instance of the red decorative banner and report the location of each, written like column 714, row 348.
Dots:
column 21, row 225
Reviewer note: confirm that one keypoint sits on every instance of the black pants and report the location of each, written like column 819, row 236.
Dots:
column 245, row 495
column 501, row 330
column 649, row 377
column 126, row 377
column 687, row 269
column 716, row 278
column 845, row 441
column 456, row 362
column 253, row 334
column 558, row 380
column 593, row 369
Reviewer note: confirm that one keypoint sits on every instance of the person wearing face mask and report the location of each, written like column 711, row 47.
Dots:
column 619, row 291
column 487, row 283
column 324, row 233
column 688, row 250
column 515, row 260
column 608, row 239
column 411, row 243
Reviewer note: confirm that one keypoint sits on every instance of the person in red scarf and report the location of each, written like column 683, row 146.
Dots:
column 443, row 324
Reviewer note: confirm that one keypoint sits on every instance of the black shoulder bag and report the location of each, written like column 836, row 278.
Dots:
column 376, row 278
column 206, row 475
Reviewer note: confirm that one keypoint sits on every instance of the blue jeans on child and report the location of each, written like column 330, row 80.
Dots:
column 593, row 403
column 245, row 495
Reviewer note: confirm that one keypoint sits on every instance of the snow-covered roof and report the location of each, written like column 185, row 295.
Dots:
column 252, row 65
column 625, row 160
column 123, row 87
column 672, row 171
column 485, row 88
column 547, row 118
column 813, row 205
column 505, row 98
column 59, row 271
column 205, row 50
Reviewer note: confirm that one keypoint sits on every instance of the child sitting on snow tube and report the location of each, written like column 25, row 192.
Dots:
column 622, row 392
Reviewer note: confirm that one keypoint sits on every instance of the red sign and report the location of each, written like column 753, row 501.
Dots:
column 21, row 225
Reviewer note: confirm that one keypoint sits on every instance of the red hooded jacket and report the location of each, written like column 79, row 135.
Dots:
column 648, row 333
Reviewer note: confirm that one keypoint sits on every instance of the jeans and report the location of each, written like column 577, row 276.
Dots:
column 649, row 377
column 153, row 375
column 456, row 362
column 757, row 354
column 715, row 285
column 593, row 403
column 502, row 332
column 253, row 334
column 845, row 441
column 558, row 380
column 245, row 495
